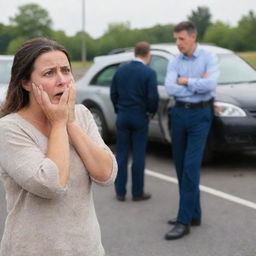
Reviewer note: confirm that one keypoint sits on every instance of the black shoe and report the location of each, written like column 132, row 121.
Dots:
column 179, row 230
column 194, row 222
column 144, row 196
column 120, row 198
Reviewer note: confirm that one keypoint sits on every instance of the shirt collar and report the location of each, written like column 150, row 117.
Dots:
column 138, row 59
column 195, row 53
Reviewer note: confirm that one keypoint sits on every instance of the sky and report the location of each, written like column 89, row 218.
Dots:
column 67, row 14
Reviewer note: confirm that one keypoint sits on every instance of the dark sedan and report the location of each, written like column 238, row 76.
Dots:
column 234, row 126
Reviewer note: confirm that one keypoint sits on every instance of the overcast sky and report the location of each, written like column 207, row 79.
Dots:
column 67, row 14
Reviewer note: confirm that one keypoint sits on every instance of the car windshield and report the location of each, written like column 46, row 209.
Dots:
column 235, row 70
column 5, row 71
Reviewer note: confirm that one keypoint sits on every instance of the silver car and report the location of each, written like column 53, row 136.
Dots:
column 234, row 125
column 5, row 74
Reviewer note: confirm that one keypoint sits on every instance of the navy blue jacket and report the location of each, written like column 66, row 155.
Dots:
column 134, row 86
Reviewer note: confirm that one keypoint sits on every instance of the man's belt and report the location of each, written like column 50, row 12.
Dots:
column 201, row 104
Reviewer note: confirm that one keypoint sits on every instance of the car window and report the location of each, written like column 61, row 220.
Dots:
column 233, row 69
column 159, row 64
column 5, row 71
column 104, row 77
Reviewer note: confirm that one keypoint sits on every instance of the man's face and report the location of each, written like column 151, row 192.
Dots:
column 185, row 42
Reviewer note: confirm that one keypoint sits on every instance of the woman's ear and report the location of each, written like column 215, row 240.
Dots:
column 26, row 85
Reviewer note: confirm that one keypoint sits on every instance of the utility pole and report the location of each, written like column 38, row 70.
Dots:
column 83, row 43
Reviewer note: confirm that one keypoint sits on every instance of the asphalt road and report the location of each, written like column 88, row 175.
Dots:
column 137, row 228
column 228, row 227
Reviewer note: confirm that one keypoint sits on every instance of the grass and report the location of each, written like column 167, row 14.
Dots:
column 81, row 65
column 250, row 57
column 79, row 68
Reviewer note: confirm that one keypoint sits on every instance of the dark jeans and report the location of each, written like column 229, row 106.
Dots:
column 189, row 128
column 132, row 134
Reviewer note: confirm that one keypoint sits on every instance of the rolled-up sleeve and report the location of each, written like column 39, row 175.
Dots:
column 112, row 177
column 27, row 165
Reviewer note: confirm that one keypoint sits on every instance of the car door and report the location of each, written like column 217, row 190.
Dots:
column 159, row 125
column 100, row 94
column 5, row 75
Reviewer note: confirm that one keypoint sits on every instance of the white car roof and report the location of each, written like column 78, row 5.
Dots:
column 6, row 57
column 170, row 48
column 3, row 86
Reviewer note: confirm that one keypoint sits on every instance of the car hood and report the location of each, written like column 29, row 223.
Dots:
column 242, row 95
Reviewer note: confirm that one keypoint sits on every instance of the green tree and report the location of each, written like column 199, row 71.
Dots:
column 74, row 46
column 202, row 19
column 114, row 27
column 246, row 32
column 120, row 35
column 15, row 44
column 222, row 35
column 117, row 36
column 32, row 21
column 60, row 37
column 7, row 33
column 158, row 34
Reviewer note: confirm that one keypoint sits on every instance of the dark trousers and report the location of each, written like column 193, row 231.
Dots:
column 189, row 128
column 132, row 134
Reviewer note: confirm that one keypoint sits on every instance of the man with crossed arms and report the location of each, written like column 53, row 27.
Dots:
column 191, row 78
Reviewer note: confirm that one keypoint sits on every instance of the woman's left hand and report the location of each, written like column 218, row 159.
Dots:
column 71, row 102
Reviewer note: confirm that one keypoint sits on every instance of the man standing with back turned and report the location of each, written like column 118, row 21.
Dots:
column 191, row 79
column 135, row 98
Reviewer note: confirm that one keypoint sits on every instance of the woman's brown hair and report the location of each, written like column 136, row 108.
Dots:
column 17, row 97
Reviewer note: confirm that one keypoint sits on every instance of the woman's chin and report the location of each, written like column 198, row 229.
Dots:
column 56, row 100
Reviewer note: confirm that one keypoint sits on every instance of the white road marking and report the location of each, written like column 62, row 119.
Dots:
column 211, row 191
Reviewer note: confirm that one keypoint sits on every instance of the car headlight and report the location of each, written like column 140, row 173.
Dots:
column 227, row 110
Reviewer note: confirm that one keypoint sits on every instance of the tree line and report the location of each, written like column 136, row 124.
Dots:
column 32, row 20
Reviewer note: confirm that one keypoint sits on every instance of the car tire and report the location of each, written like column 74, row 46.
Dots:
column 100, row 122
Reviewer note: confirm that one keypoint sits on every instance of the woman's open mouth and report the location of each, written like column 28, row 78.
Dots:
column 59, row 94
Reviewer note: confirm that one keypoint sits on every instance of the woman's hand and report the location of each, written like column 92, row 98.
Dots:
column 71, row 102
column 56, row 113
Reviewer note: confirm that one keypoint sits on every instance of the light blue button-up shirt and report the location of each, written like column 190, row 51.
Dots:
column 198, row 88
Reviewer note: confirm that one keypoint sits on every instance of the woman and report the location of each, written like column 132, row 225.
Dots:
column 51, row 152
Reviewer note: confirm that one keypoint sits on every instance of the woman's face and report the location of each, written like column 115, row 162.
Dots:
column 53, row 72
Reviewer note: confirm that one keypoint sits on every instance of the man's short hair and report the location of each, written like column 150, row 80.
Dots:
column 185, row 25
column 142, row 49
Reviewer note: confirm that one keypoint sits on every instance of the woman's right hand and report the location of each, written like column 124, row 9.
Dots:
column 56, row 113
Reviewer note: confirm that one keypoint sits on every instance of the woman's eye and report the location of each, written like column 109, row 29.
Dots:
column 66, row 70
column 48, row 73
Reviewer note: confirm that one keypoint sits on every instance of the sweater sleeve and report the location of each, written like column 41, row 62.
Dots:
column 91, row 129
column 26, row 164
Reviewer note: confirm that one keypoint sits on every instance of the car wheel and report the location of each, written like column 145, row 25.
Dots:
column 100, row 122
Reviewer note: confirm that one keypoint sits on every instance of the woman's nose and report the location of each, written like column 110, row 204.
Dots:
column 61, row 79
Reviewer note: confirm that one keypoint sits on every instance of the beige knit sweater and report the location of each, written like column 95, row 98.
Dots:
column 43, row 218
